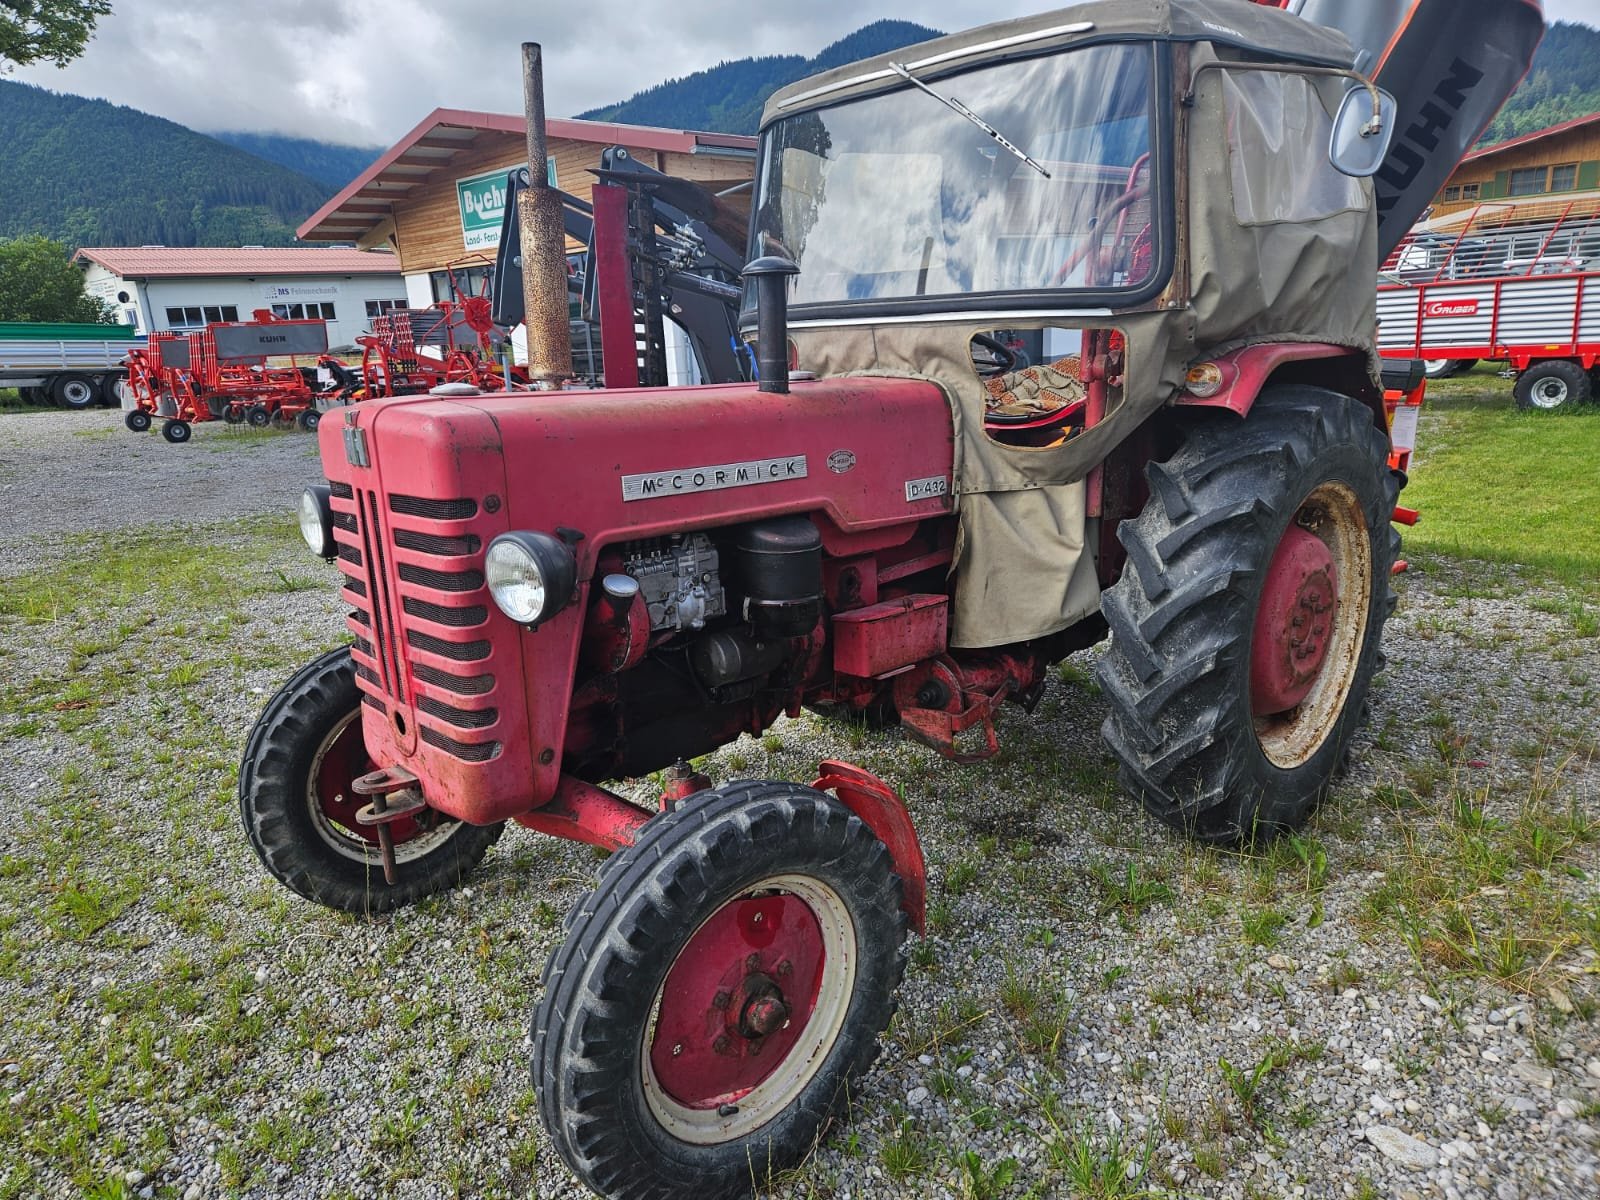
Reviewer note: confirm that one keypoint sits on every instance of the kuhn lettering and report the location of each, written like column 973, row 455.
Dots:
column 1409, row 154
column 686, row 481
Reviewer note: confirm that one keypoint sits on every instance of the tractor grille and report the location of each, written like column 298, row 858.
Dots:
column 417, row 610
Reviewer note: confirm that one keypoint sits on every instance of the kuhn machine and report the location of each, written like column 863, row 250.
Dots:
column 1183, row 204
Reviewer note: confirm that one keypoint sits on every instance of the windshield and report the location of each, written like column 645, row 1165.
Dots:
column 898, row 197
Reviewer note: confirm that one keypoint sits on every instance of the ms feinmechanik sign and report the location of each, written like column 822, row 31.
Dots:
column 482, row 201
column 687, row 480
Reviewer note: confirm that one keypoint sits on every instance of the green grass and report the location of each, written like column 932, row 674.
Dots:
column 1506, row 486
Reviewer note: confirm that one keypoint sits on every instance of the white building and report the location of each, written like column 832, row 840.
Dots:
column 184, row 288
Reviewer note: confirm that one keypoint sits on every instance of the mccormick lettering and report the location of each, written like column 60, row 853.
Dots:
column 686, row 480
column 1450, row 308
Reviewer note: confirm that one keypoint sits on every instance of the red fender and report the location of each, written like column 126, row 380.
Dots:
column 883, row 812
column 1247, row 371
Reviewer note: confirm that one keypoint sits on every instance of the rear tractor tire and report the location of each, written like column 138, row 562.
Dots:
column 718, row 994
column 1554, row 384
column 299, row 812
column 1246, row 627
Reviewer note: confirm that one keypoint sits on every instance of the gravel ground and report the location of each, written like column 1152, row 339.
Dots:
column 1400, row 1003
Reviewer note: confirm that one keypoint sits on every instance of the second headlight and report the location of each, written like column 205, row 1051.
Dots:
column 530, row 575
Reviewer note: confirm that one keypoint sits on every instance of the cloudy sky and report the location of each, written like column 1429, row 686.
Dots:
column 363, row 72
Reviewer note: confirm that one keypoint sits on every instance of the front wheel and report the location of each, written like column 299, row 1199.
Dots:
column 299, row 810
column 137, row 419
column 1246, row 626
column 176, row 432
column 718, row 993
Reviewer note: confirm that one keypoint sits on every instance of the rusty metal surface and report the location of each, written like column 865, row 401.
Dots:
column 544, row 242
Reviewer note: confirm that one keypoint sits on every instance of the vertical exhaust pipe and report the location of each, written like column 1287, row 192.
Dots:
column 772, row 320
column 544, row 243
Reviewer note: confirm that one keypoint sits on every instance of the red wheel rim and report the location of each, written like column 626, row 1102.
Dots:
column 1294, row 623
column 737, row 1000
column 344, row 759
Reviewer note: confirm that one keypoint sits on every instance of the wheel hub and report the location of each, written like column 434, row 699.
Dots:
column 342, row 762
column 1295, row 623
column 737, row 1000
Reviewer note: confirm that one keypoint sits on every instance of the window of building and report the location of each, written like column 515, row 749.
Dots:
column 303, row 312
column 200, row 315
column 1469, row 191
column 1530, row 181
column 378, row 308
column 1452, row 194
column 1564, row 178
column 469, row 281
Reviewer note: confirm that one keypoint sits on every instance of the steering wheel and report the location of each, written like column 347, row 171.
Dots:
column 1002, row 360
column 1101, row 219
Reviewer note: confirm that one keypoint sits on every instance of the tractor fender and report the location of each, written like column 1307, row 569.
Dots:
column 882, row 811
column 1248, row 371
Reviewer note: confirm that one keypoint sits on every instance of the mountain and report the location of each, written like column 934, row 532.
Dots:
column 1562, row 84
column 331, row 165
column 727, row 98
column 96, row 174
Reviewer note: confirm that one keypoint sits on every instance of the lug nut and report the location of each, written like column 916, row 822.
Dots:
column 721, row 1000
column 720, row 1046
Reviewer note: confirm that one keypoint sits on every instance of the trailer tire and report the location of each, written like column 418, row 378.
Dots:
column 664, row 948
column 307, row 739
column 34, row 395
column 309, row 420
column 74, row 391
column 1555, row 383
column 258, row 416
column 1246, row 628
column 137, row 420
column 176, row 432
column 110, row 392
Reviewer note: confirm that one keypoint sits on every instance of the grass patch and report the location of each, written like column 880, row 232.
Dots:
column 1507, row 486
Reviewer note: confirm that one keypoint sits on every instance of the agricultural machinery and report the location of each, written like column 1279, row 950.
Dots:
column 225, row 372
column 1179, row 205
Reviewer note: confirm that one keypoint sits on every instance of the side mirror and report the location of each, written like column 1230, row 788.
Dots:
column 1359, row 143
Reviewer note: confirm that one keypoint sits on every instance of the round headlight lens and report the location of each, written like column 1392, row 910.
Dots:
column 532, row 576
column 515, row 581
column 316, row 521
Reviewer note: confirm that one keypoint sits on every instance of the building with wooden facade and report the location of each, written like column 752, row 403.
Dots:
column 436, row 198
column 1539, row 176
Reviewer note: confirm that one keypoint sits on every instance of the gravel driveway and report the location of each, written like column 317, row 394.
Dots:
column 1401, row 1003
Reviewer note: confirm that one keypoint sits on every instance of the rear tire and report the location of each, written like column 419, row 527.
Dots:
column 1555, row 384
column 74, row 391
column 298, row 813
column 1246, row 627
column 111, row 390
column 648, row 1042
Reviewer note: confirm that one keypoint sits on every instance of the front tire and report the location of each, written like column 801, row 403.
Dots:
column 718, row 994
column 176, row 432
column 299, row 812
column 137, row 419
column 1246, row 626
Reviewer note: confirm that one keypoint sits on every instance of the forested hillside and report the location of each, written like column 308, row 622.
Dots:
column 1564, row 83
column 728, row 97
column 91, row 173
column 330, row 165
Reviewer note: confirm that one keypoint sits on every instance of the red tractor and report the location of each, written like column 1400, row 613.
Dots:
column 1181, row 205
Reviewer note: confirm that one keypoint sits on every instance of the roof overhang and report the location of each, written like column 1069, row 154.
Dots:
column 446, row 134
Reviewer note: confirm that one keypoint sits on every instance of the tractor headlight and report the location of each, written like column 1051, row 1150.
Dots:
column 530, row 575
column 316, row 520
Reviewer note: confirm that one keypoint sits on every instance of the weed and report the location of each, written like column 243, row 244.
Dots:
column 1128, row 890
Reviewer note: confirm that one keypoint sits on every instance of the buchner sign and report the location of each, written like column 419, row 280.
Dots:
column 482, row 199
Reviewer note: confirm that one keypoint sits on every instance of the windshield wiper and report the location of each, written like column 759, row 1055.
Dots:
column 955, row 105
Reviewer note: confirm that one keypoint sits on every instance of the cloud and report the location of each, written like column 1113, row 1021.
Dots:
column 365, row 71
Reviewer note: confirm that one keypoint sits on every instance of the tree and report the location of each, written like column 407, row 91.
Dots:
column 38, row 282
column 47, row 30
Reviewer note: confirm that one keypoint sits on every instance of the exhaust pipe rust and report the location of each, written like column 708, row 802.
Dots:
column 544, row 243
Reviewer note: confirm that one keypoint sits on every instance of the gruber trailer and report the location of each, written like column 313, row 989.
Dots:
column 1181, row 205
column 73, row 365
column 1506, row 287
